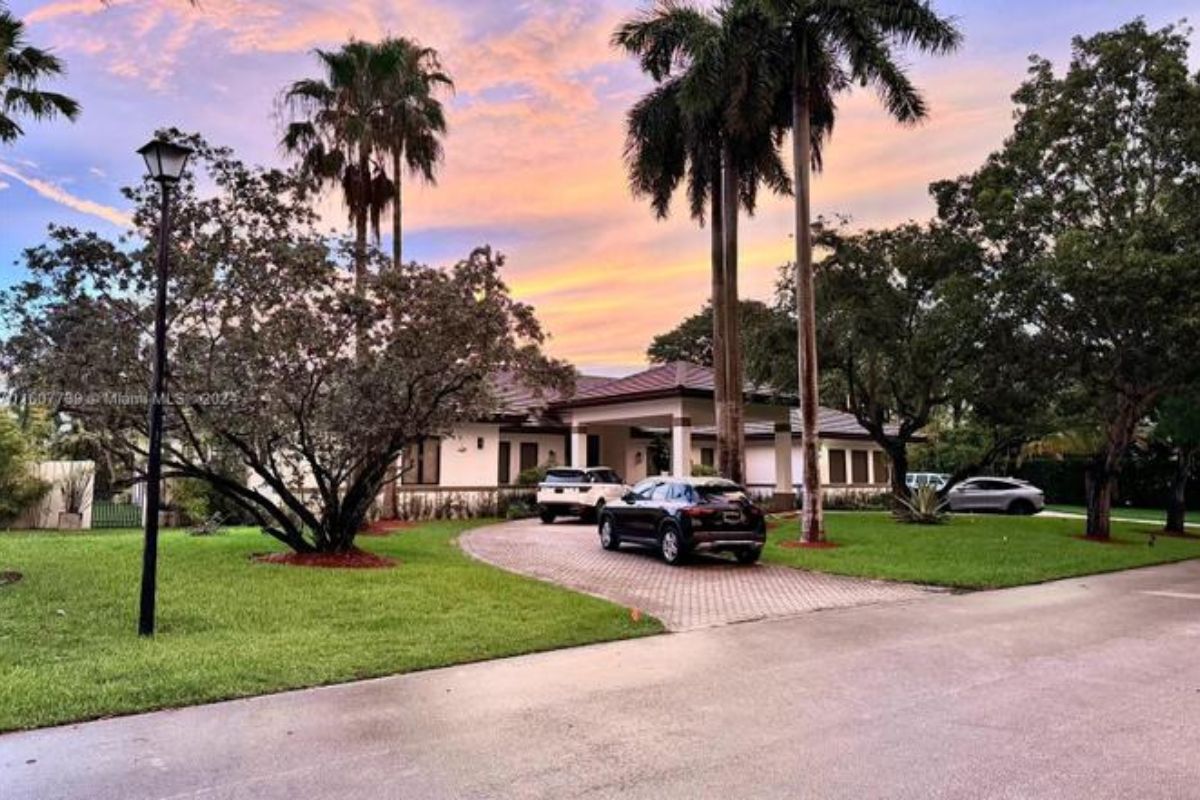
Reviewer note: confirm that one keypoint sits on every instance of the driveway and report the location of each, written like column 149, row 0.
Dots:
column 1087, row 688
column 709, row 591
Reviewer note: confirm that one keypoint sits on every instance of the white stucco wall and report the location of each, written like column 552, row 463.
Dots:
column 45, row 514
column 471, row 456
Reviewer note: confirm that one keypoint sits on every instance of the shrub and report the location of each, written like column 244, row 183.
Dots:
column 20, row 487
column 925, row 507
column 704, row 471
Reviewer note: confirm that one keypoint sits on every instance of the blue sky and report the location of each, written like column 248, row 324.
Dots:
column 534, row 153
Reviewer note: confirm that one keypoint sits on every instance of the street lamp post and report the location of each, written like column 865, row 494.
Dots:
column 165, row 162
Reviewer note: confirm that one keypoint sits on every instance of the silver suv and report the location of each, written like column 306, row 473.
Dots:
column 1006, row 495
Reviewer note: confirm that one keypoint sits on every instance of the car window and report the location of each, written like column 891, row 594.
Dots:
column 644, row 488
column 662, row 491
column 720, row 492
column 603, row 476
column 564, row 476
column 681, row 493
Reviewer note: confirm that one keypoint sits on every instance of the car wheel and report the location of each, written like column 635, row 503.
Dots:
column 748, row 556
column 608, row 533
column 547, row 517
column 674, row 551
column 1022, row 508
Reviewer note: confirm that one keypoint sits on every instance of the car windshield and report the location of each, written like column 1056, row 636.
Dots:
column 604, row 476
column 719, row 492
column 564, row 476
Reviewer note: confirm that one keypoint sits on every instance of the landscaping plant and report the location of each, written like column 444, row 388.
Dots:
column 923, row 506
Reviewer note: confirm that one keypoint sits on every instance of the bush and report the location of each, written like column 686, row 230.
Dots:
column 855, row 500
column 704, row 471
column 521, row 509
column 925, row 507
column 20, row 487
column 534, row 475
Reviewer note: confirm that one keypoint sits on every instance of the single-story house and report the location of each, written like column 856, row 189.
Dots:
column 613, row 422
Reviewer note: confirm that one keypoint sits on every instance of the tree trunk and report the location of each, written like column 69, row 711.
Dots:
column 735, row 380
column 397, row 216
column 1098, row 485
column 361, row 217
column 899, row 459
column 812, row 516
column 718, row 337
column 1177, row 502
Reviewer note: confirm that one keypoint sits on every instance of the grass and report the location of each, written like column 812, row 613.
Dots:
column 1148, row 514
column 232, row 628
column 974, row 552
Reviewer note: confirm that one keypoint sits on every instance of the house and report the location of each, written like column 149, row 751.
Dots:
column 617, row 422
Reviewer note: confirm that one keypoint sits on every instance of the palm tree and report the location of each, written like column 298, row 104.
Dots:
column 712, row 121
column 828, row 46
column 413, row 119
column 337, row 130
column 21, row 67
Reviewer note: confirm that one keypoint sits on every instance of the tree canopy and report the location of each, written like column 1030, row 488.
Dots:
column 277, row 360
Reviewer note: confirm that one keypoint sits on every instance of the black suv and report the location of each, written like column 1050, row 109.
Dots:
column 680, row 516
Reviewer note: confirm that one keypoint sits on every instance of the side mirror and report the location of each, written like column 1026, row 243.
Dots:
column 629, row 497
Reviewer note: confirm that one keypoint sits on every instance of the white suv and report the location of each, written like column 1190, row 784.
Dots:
column 568, row 492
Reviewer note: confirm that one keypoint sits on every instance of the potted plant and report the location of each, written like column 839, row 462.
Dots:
column 75, row 487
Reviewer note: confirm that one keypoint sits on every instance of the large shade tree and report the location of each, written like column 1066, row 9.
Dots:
column 827, row 46
column 1177, row 426
column 23, row 68
column 265, row 368
column 1089, row 213
column 713, row 122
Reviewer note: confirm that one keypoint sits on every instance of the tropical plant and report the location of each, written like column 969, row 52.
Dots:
column 22, row 68
column 336, row 129
column 74, row 487
column 20, row 487
column 262, row 365
column 413, row 120
column 924, row 506
column 824, row 48
column 711, row 121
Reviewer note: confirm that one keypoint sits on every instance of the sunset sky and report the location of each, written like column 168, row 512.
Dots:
column 533, row 162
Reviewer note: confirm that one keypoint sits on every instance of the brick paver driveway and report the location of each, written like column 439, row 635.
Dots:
column 708, row 591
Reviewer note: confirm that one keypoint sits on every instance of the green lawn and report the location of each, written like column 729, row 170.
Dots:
column 230, row 628
column 974, row 552
column 1148, row 514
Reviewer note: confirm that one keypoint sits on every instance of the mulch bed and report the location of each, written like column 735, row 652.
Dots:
column 355, row 559
column 7, row 578
column 386, row 527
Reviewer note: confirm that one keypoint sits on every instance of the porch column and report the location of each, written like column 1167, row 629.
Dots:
column 785, row 491
column 681, row 447
column 579, row 437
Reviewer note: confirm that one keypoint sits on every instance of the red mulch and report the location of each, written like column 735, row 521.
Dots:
column 10, row 577
column 386, row 527
column 793, row 544
column 355, row 559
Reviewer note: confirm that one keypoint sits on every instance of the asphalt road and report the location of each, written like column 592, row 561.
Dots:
column 1089, row 688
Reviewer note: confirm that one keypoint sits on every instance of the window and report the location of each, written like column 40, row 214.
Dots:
column 566, row 476
column 603, row 476
column 859, row 467
column 837, row 466
column 662, row 492
column 883, row 473
column 681, row 493
column 505, row 463
column 723, row 492
column 707, row 456
column 529, row 455
column 422, row 463
column 644, row 489
column 593, row 450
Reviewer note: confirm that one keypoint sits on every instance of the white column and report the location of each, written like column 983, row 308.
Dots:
column 784, row 484
column 579, row 437
column 681, row 447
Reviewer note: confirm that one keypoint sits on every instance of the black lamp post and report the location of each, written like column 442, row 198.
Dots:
column 165, row 162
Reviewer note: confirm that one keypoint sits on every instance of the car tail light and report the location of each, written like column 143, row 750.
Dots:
column 699, row 511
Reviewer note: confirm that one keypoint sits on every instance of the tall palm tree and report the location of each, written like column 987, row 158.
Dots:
column 712, row 121
column 22, row 66
column 413, row 119
column 828, row 46
column 337, row 131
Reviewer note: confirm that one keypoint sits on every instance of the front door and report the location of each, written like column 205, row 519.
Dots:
column 529, row 455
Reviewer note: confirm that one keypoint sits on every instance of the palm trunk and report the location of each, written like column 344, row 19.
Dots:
column 397, row 210
column 361, row 218
column 1177, row 502
column 718, row 336
column 734, row 379
column 812, row 517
